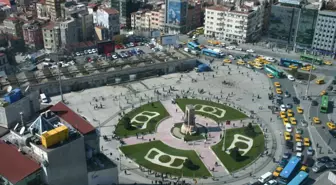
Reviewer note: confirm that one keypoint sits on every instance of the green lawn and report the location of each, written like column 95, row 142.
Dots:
column 231, row 113
column 139, row 151
column 256, row 150
column 151, row 125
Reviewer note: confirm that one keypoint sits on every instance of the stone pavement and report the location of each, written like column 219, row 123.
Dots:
column 245, row 86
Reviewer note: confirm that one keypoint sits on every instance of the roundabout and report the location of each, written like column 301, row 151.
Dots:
column 188, row 140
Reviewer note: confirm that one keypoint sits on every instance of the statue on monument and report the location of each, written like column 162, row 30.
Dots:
column 189, row 124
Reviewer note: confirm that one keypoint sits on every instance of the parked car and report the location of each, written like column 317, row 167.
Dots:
column 296, row 100
column 323, row 159
column 333, row 133
column 318, row 167
column 331, row 165
column 303, row 123
column 250, row 51
column 310, row 151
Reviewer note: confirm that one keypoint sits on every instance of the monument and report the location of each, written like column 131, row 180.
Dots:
column 189, row 125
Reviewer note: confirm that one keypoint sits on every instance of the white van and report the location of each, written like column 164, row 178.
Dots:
column 266, row 177
column 43, row 98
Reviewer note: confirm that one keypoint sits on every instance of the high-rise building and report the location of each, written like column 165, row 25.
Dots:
column 125, row 8
column 52, row 36
column 108, row 18
column 292, row 24
column 32, row 34
column 13, row 26
column 325, row 31
column 53, row 9
column 240, row 23
column 176, row 16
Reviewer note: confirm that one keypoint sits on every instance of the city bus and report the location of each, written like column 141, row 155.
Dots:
column 300, row 179
column 324, row 104
column 212, row 53
column 290, row 169
column 287, row 62
column 194, row 46
column 311, row 59
column 273, row 70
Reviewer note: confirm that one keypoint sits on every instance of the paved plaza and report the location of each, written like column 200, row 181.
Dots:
column 102, row 107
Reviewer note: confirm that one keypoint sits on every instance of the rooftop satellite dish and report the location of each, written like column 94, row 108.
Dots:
column 9, row 88
column 22, row 130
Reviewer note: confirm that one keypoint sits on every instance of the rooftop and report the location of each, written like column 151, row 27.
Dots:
column 72, row 118
column 14, row 165
column 219, row 8
column 111, row 11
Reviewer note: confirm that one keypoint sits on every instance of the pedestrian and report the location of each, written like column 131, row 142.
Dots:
column 280, row 133
column 317, row 145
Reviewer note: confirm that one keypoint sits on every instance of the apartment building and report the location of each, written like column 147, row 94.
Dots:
column 240, row 23
column 53, row 9
column 69, row 31
column 108, row 18
column 149, row 19
column 32, row 34
column 52, row 36
column 194, row 15
column 13, row 26
column 125, row 8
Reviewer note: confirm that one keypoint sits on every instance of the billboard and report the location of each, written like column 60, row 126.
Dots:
column 168, row 40
column 105, row 47
column 177, row 12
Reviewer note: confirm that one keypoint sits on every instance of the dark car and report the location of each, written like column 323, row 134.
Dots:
column 296, row 100
column 331, row 165
column 323, row 159
column 330, row 88
column 333, row 133
column 283, row 162
column 314, row 103
column 286, row 155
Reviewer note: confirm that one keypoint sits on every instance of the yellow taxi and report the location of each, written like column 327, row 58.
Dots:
column 319, row 81
column 285, row 121
column 298, row 138
column 240, row 62
column 329, row 63
column 277, row 171
column 227, row 61
column 306, row 141
column 305, row 68
column 316, row 120
column 289, row 112
column 293, row 121
column 287, row 136
column 258, row 66
column 324, row 92
column 278, row 91
column 299, row 109
column 304, row 168
column 331, row 125
column 270, row 75
column 283, row 114
column 293, row 66
column 277, row 84
column 251, row 63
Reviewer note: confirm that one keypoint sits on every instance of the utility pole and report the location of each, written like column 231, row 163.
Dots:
column 59, row 65
column 224, row 136
column 308, row 84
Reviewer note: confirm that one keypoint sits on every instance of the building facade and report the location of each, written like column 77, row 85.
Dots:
column 53, row 9
column 69, row 31
column 292, row 24
column 32, row 34
column 239, row 24
column 325, row 33
column 149, row 19
column 52, row 37
column 109, row 18
column 4, row 65
column 13, row 26
column 194, row 16
column 176, row 16
column 125, row 8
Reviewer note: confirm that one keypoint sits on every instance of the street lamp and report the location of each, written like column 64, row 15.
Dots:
column 59, row 65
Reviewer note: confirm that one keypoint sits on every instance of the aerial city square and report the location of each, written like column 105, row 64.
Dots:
column 170, row 92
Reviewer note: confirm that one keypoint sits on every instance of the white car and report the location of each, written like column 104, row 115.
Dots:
column 290, row 77
column 114, row 57
column 94, row 50
column 186, row 49
column 271, row 182
column 78, row 54
column 283, row 107
column 89, row 51
column 239, row 49
column 231, row 57
column 250, row 51
column 289, row 127
column 230, row 47
column 299, row 155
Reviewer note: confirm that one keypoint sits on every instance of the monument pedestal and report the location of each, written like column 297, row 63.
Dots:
column 189, row 126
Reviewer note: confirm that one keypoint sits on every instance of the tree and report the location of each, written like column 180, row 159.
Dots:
column 190, row 165
column 235, row 154
column 126, row 121
column 249, row 130
column 119, row 39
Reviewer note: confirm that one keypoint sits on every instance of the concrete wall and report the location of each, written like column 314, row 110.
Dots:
column 103, row 177
column 96, row 80
column 67, row 164
column 29, row 105
column 93, row 141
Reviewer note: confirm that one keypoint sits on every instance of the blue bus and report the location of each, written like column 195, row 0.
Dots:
column 212, row 53
column 273, row 70
column 287, row 62
column 194, row 46
column 299, row 179
column 289, row 171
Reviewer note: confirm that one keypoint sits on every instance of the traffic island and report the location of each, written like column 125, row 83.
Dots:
column 242, row 147
column 141, row 120
column 164, row 159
